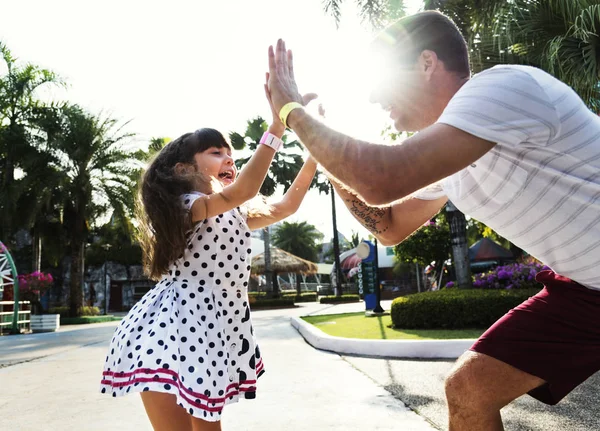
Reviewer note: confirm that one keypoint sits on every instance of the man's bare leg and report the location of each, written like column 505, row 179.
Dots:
column 479, row 386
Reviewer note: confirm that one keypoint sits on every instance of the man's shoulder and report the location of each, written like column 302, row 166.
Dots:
column 514, row 75
column 514, row 69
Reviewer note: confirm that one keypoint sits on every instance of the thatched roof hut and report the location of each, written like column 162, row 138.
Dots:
column 283, row 262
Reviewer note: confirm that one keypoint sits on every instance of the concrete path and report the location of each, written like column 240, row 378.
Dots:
column 420, row 384
column 50, row 382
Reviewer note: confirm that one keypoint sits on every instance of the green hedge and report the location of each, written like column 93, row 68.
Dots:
column 339, row 299
column 87, row 319
column 304, row 297
column 272, row 303
column 64, row 311
column 456, row 308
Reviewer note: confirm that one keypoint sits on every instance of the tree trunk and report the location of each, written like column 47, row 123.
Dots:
column 298, row 285
column 36, row 253
column 460, row 251
column 276, row 292
column 336, row 245
column 75, row 286
column 8, row 178
column 36, row 249
column 78, row 240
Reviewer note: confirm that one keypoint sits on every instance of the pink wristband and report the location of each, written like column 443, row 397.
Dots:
column 271, row 141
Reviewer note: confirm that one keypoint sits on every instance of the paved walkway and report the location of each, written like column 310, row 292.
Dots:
column 50, row 382
column 420, row 384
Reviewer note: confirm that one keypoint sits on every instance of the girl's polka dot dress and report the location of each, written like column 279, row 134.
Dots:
column 191, row 335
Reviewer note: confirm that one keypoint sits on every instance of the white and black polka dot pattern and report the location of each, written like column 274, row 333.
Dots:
column 191, row 335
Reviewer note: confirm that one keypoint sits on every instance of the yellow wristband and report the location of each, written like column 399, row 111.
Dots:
column 285, row 111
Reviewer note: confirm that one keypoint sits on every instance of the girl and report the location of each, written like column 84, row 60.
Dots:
column 188, row 345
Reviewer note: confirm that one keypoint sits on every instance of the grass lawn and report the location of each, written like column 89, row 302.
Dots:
column 356, row 325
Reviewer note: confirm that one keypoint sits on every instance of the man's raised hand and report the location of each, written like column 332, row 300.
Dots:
column 282, row 84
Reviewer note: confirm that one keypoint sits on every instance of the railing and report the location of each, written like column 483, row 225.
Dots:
column 6, row 317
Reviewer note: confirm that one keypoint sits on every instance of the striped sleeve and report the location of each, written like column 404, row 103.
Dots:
column 430, row 193
column 505, row 105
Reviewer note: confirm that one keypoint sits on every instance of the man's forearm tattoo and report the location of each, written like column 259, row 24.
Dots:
column 370, row 217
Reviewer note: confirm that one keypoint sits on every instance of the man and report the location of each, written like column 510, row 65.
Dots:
column 512, row 147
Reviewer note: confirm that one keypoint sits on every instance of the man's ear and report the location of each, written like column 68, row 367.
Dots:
column 428, row 63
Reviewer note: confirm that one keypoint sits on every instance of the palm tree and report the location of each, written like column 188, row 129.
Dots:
column 154, row 146
column 354, row 240
column 377, row 13
column 300, row 239
column 100, row 178
column 20, row 139
column 559, row 36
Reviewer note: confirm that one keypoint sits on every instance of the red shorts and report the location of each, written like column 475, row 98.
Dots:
column 554, row 335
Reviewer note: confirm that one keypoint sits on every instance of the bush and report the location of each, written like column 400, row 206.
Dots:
column 456, row 308
column 339, row 299
column 271, row 303
column 87, row 319
column 304, row 297
column 64, row 311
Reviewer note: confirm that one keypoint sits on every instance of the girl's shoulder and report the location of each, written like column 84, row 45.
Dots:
column 187, row 199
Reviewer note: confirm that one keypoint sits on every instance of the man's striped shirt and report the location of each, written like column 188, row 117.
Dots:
column 539, row 187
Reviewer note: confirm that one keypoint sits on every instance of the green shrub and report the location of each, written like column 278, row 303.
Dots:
column 339, row 299
column 90, row 311
column 271, row 303
column 304, row 297
column 87, row 319
column 64, row 311
column 455, row 308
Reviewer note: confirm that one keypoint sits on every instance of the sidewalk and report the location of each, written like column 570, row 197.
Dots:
column 303, row 389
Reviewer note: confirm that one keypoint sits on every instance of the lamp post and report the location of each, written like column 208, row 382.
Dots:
column 378, row 308
column 106, row 248
column 336, row 245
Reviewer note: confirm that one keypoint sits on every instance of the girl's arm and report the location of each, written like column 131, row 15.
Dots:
column 290, row 202
column 245, row 187
column 248, row 182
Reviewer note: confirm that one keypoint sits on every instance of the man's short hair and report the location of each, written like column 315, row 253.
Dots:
column 430, row 30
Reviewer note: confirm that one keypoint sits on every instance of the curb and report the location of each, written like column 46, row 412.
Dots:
column 440, row 349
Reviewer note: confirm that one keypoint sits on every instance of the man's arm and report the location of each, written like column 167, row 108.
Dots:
column 379, row 174
column 394, row 223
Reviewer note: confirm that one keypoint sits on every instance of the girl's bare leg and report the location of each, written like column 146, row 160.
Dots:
column 164, row 413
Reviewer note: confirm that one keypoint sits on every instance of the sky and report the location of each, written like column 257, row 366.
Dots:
column 173, row 67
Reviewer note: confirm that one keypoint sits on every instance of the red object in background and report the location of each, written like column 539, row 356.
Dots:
column 350, row 262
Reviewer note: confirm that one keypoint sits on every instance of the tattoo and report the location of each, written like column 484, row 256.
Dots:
column 369, row 217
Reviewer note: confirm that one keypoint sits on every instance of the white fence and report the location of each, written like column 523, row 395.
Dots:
column 6, row 317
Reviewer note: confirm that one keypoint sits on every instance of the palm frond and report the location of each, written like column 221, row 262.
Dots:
column 333, row 8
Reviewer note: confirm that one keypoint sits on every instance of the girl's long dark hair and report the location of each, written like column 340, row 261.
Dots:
column 163, row 220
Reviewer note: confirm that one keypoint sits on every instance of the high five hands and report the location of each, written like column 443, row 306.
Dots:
column 281, row 82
